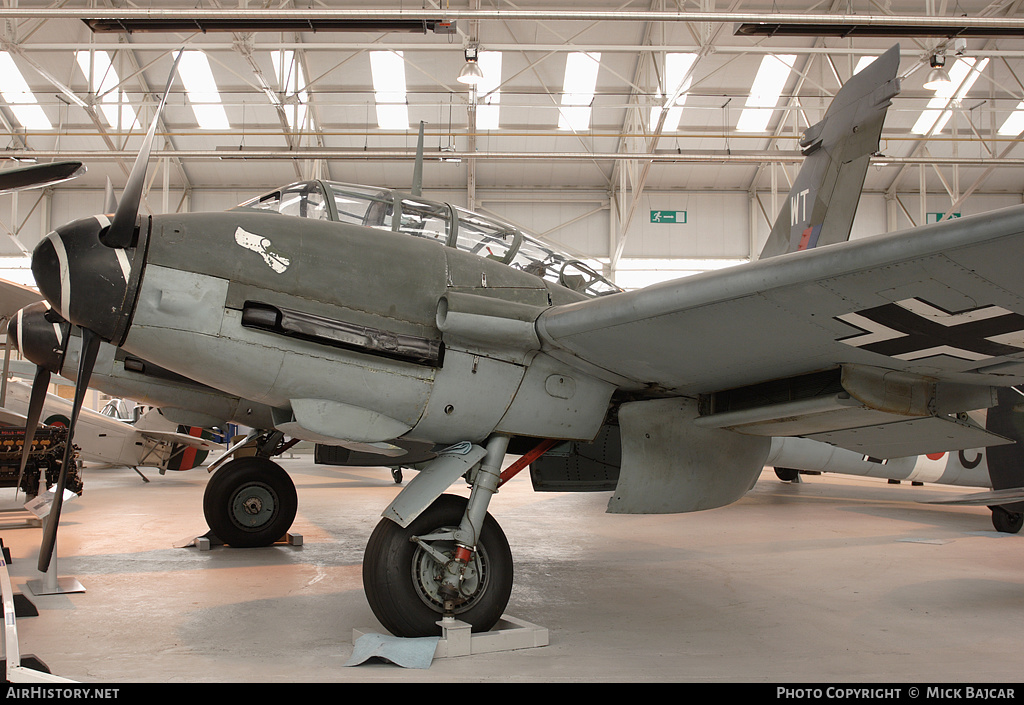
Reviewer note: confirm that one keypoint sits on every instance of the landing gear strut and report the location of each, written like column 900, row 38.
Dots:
column 452, row 559
column 404, row 570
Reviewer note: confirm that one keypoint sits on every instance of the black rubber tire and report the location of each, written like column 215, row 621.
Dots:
column 250, row 502
column 787, row 474
column 402, row 602
column 1006, row 521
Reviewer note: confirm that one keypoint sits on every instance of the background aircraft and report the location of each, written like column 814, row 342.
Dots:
column 395, row 317
column 998, row 468
column 151, row 441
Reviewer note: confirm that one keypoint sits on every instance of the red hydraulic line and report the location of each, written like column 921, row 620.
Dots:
column 513, row 469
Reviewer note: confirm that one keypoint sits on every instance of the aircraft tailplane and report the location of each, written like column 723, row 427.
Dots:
column 824, row 198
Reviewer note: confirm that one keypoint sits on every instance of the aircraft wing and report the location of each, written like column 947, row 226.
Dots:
column 11, row 418
column 821, row 341
column 179, row 438
column 14, row 297
column 33, row 175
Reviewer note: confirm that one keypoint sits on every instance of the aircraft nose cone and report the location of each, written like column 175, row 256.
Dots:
column 41, row 336
column 86, row 282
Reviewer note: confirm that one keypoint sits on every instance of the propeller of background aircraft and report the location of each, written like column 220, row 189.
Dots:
column 119, row 233
column 34, row 175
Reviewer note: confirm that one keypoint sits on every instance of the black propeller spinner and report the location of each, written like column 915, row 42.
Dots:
column 103, row 312
column 42, row 337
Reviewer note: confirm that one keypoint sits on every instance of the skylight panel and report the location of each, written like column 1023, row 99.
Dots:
column 103, row 81
column 962, row 76
column 292, row 81
column 1014, row 124
column 19, row 98
column 863, row 63
column 764, row 94
column 487, row 89
column 388, row 71
column 578, row 88
column 676, row 67
column 195, row 73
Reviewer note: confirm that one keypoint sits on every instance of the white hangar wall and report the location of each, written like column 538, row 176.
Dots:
column 708, row 229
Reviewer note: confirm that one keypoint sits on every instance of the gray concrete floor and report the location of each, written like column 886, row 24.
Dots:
column 837, row 579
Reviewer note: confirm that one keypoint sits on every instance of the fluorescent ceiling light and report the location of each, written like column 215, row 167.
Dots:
column 677, row 65
column 293, row 83
column 962, row 77
column 487, row 90
column 388, row 71
column 764, row 94
column 578, row 88
column 195, row 73
column 103, row 81
column 863, row 63
column 18, row 96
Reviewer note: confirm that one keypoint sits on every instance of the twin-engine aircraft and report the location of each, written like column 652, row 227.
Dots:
column 378, row 317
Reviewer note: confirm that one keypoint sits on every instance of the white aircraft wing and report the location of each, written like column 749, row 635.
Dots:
column 179, row 438
column 11, row 418
column 14, row 297
column 906, row 327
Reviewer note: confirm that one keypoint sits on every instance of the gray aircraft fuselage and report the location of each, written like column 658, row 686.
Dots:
column 338, row 326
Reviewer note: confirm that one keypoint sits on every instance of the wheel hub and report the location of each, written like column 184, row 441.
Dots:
column 253, row 506
column 428, row 575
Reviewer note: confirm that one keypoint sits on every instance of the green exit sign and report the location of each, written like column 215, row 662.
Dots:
column 668, row 216
column 936, row 217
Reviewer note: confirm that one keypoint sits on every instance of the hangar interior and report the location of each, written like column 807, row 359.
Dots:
column 650, row 139
column 587, row 178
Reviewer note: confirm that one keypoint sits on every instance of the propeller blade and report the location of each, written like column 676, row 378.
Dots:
column 109, row 199
column 90, row 346
column 40, row 383
column 25, row 177
column 122, row 227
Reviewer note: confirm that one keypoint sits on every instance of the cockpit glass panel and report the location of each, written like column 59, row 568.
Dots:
column 266, row 202
column 540, row 260
column 369, row 206
column 425, row 219
column 483, row 236
column 305, row 201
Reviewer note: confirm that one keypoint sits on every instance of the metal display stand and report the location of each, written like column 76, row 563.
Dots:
column 18, row 668
column 50, row 584
column 457, row 638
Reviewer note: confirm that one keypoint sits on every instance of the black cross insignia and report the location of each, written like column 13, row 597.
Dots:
column 914, row 329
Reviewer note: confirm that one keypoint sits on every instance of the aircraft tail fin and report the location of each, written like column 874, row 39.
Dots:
column 824, row 198
column 184, row 457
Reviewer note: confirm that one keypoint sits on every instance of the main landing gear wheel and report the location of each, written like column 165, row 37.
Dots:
column 401, row 578
column 250, row 502
column 1006, row 521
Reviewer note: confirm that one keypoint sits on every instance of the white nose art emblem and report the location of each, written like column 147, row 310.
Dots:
column 264, row 248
